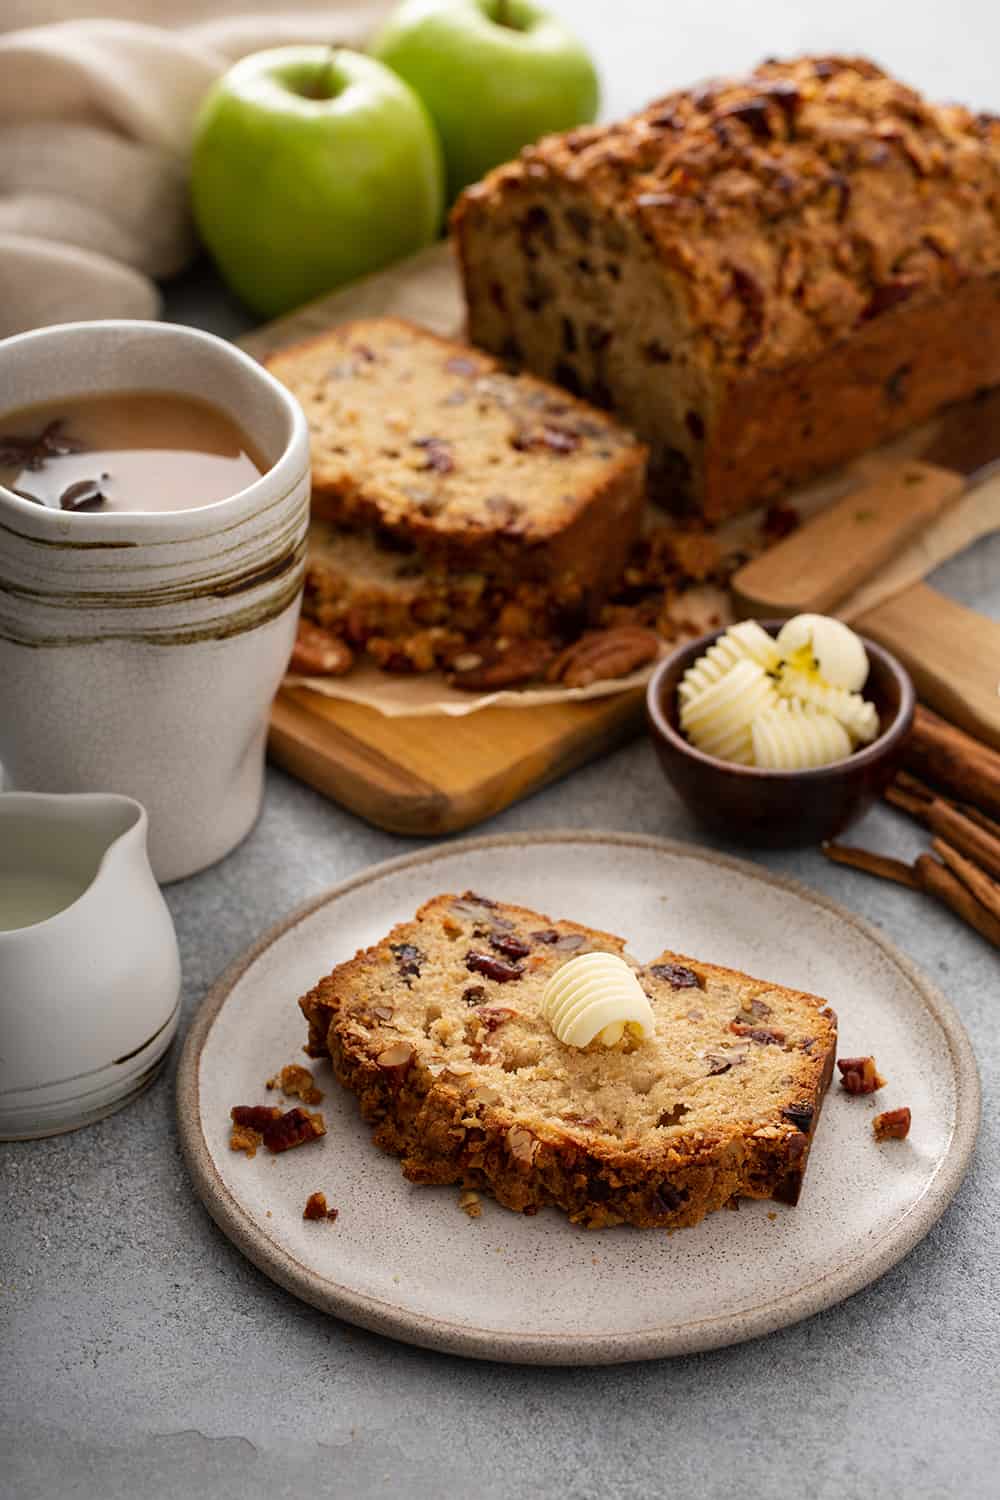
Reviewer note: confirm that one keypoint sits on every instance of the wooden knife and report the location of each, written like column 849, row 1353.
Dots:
column 864, row 556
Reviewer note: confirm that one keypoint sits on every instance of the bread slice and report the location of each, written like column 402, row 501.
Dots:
column 438, row 1031
column 435, row 444
column 413, row 614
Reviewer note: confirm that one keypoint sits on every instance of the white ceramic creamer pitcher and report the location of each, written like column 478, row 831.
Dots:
column 89, row 968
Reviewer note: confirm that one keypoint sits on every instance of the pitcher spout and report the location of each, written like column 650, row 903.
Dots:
column 55, row 850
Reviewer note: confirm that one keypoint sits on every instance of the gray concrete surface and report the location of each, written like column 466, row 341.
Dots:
column 140, row 1355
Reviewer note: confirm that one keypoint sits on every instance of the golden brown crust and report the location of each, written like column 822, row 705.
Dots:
column 810, row 232
column 891, row 374
column 454, row 1073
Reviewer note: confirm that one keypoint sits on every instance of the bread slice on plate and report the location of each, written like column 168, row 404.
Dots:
column 436, row 445
column 438, row 1030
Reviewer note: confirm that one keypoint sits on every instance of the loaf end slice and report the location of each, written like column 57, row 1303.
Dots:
column 438, row 1030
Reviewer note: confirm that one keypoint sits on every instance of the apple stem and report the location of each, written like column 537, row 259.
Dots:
column 503, row 17
column 321, row 87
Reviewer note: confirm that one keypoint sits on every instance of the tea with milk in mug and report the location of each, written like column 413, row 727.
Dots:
column 127, row 451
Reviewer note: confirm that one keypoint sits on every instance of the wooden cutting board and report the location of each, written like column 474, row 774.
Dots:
column 426, row 776
column 435, row 775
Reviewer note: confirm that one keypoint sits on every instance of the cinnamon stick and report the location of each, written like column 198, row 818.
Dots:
column 975, row 816
column 873, row 864
column 985, row 890
column 915, row 787
column 940, row 882
column 959, row 831
column 939, row 752
column 915, row 806
column 944, row 819
column 973, row 897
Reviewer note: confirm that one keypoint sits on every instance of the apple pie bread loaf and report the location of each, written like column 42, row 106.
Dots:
column 762, row 276
column 439, row 1031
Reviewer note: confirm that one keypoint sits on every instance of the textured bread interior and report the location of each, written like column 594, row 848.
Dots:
column 360, row 585
column 435, row 441
column 579, row 297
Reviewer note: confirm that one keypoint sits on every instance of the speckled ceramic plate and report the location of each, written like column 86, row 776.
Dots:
column 405, row 1261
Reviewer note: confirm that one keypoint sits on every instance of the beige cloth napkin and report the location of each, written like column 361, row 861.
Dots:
column 96, row 118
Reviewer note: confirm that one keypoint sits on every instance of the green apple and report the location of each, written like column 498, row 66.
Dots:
column 312, row 166
column 495, row 75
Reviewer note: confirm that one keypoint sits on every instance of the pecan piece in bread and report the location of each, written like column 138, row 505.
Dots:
column 317, row 653
column 603, row 654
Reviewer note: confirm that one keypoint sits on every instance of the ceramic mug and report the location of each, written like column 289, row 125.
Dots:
column 89, row 968
column 140, row 651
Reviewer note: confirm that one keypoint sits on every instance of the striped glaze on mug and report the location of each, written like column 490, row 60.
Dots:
column 140, row 651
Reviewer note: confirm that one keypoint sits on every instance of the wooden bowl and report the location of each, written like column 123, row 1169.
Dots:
column 779, row 809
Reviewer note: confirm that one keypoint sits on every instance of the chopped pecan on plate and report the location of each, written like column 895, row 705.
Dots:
column 603, row 654
column 254, row 1124
column 316, row 1208
column 892, row 1124
column 317, row 653
column 507, row 663
column 243, row 1138
column 859, row 1075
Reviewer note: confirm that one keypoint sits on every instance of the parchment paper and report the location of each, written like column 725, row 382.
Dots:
column 696, row 611
column 396, row 697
